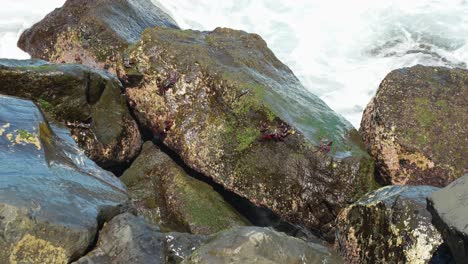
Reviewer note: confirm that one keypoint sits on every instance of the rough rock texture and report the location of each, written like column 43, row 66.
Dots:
column 92, row 32
column 221, row 100
column 449, row 209
column 415, row 127
column 257, row 245
column 129, row 239
column 164, row 193
column 88, row 101
column 52, row 198
column 390, row 225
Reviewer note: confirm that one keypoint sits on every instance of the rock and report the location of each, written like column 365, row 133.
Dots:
column 415, row 127
column 449, row 209
column 165, row 194
column 390, row 225
column 89, row 102
column 92, row 32
column 52, row 197
column 128, row 239
column 249, row 245
column 232, row 111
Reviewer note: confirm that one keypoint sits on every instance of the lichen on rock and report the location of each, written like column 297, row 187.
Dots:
column 35, row 250
column 390, row 225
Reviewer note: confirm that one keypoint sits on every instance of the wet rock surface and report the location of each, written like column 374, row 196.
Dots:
column 92, row 32
column 232, row 111
column 129, row 239
column 390, row 225
column 248, row 245
column 164, row 194
column 90, row 102
column 52, row 197
column 449, row 209
column 415, row 127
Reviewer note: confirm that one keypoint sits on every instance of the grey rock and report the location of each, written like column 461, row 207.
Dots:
column 129, row 239
column 52, row 197
column 249, row 245
column 449, row 209
column 88, row 101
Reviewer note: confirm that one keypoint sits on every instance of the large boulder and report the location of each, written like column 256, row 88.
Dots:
column 129, row 239
column 449, row 209
column 52, row 197
column 165, row 194
column 89, row 101
column 390, row 225
column 232, row 111
column 257, row 245
column 92, row 32
column 415, row 127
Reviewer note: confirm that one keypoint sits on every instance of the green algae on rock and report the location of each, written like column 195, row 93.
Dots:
column 390, row 225
column 257, row 245
column 88, row 101
column 91, row 32
column 210, row 96
column 449, row 209
column 415, row 127
column 164, row 194
column 52, row 197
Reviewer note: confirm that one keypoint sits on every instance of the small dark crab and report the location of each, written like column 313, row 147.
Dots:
column 168, row 124
column 279, row 134
column 172, row 78
column 324, row 147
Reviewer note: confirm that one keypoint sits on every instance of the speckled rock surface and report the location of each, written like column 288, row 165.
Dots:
column 390, row 225
column 232, row 111
column 52, row 197
column 89, row 102
column 164, row 194
column 257, row 245
column 129, row 239
column 415, row 127
column 449, row 209
column 92, row 32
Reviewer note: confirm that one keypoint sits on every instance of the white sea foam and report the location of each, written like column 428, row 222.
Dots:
column 340, row 50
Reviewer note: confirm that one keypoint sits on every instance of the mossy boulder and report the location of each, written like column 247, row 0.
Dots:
column 52, row 197
column 129, row 239
column 232, row 111
column 415, row 127
column 449, row 209
column 165, row 194
column 92, row 32
column 90, row 102
column 257, row 245
column 390, row 225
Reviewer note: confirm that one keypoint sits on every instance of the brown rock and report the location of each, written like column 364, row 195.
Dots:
column 92, row 32
column 415, row 127
column 232, row 111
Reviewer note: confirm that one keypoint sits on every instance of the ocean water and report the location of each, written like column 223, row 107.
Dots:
column 340, row 50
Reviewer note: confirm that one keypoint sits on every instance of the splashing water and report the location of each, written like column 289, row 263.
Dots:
column 340, row 50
